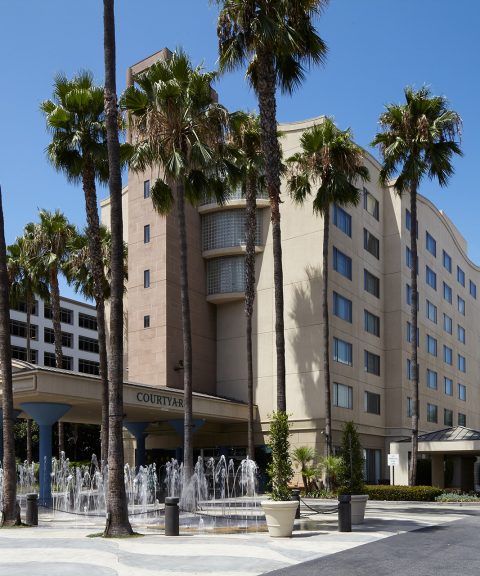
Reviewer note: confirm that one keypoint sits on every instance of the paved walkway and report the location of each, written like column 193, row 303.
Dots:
column 59, row 546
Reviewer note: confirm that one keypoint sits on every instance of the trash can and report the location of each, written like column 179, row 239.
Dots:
column 172, row 516
column 296, row 496
column 344, row 513
column 32, row 510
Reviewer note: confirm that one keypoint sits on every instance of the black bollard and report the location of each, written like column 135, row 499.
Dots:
column 31, row 518
column 344, row 513
column 172, row 515
column 296, row 496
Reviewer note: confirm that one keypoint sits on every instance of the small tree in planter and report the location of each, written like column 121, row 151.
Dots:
column 304, row 457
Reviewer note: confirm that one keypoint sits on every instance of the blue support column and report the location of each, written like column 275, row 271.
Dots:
column 45, row 415
column 138, row 430
column 15, row 415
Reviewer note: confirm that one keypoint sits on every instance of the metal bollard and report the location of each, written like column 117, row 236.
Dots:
column 296, row 496
column 31, row 518
column 172, row 515
column 344, row 513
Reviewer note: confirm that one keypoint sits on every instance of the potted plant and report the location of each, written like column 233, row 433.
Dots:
column 280, row 509
column 351, row 475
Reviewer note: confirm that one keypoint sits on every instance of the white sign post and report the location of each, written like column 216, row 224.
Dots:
column 393, row 460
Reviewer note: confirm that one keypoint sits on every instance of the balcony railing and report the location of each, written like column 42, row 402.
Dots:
column 237, row 194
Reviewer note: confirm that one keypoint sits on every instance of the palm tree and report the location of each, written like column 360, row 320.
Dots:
column 276, row 39
column 75, row 118
column 327, row 167
column 118, row 523
column 246, row 148
column 10, row 513
column 417, row 139
column 304, row 456
column 179, row 127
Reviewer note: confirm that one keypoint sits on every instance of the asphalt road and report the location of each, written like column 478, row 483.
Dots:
column 445, row 550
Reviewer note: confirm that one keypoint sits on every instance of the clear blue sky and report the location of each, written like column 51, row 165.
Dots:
column 376, row 47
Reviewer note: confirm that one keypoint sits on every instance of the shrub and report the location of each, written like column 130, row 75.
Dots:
column 280, row 468
column 403, row 493
column 351, row 474
column 454, row 497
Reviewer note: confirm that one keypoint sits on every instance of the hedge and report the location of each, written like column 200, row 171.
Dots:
column 403, row 493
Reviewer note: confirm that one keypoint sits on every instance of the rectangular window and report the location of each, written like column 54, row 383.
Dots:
column 49, row 360
column 432, row 413
column 372, row 363
column 146, row 234
column 146, row 321
column 408, row 257
column 342, row 220
column 409, row 407
column 371, row 243
column 19, row 329
column 462, row 392
column 410, row 369
column 461, row 305
column 447, row 262
column 462, row 419
column 431, row 244
column 409, row 296
column 371, row 284
column 431, row 379
column 372, row 403
column 371, row 323
column 447, row 293
column 431, row 277
column 20, row 353
column 447, row 417
column 49, row 337
column 447, row 324
column 87, row 321
column 371, row 205
column 372, row 467
column 88, row 344
column 88, row 367
column 146, row 278
column 66, row 315
column 408, row 220
column 461, row 363
column 460, row 276
column 431, row 345
column 447, row 355
column 342, row 307
column 431, row 312
column 342, row 352
column 410, row 333
column 146, row 189
column 473, row 290
column 342, row 396
column 461, row 334
column 448, row 386
column 21, row 306
column 342, row 263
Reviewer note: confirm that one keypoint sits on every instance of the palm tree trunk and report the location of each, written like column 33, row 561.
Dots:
column 29, row 441
column 118, row 523
column 414, row 360
column 251, row 232
column 57, row 331
column 326, row 339
column 271, row 151
column 96, row 262
column 10, row 513
column 28, row 305
column 187, row 338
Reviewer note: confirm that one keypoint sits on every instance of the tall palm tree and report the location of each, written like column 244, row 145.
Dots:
column 245, row 144
column 417, row 139
column 10, row 513
column 179, row 127
column 276, row 39
column 76, row 120
column 118, row 523
column 328, row 168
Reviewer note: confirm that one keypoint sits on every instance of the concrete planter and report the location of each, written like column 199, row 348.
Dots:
column 280, row 517
column 359, row 503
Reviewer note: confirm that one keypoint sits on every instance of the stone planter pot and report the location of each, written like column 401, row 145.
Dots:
column 359, row 503
column 280, row 517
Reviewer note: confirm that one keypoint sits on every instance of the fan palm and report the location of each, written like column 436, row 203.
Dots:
column 179, row 127
column 276, row 40
column 304, row 456
column 417, row 139
column 328, row 168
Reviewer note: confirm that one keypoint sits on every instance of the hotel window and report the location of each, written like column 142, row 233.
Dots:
column 431, row 379
column 410, row 370
column 227, row 229
column 342, row 396
column 342, row 263
column 146, row 234
column 66, row 315
column 448, row 386
column 431, row 277
column 461, row 363
column 462, row 392
column 146, row 189
column 410, row 333
column 371, row 323
column 460, row 276
column 430, row 244
column 88, row 367
column 408, row 220
column 372, row 363
column 447, row 324
column 372, row 403
column 342, row 220
column 409, row 407
column 87, row 321
column 49, row 337
column 342, row 352
column 409, row 297
column 146, row 321
column 371, row 284
column 372, row 470
column 461, row 305
column 50, row 361
column 447, row 293
column 473, row 289
column 431, row 312
column 371, row 243
column 461, row 334
column 408, row 257
column 146, row 278
column 371, row 205
column 432, row 413
column 88, row 344
column 447, row 417
column 19, row 329
column 447, row 355
column 342, row 307
column 462, row 419
column 431, row 345
column 21, row 306
column 447, row 262
column 20, row 353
